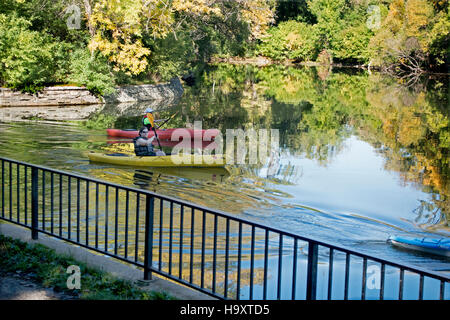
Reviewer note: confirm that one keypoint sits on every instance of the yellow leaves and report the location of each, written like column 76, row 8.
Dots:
column 118, row 34
column 396, row 15
column 157, row 18
column 411, row 18
column 418, row 15
column 197, row 7
column 415, row 29
column 259, row 14
column 131, row 57
column 431, row 174
column 128, row 56
column 402, row 124
column 291, row 86
column 411, row 124
column 411, row 129
column 118, row 26
column 437, row 121
column 119, row 16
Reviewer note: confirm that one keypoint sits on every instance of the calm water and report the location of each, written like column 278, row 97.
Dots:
column 361, row 156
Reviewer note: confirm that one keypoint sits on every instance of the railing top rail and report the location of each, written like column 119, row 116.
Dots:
column 404, row 266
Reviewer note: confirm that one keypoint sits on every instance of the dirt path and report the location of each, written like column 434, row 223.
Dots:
column 19, row 286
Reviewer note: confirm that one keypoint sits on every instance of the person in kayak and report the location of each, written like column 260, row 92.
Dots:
column 148, row 120
column 143, row 145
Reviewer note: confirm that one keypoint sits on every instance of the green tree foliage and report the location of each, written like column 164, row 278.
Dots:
column 439, row 48
column 290, row 40
column 338, row 26
column 155, row 40
column 294, row 10
column 406, row 34
column 142, row 40
column 38, row 49
column 91, row 71
column 44, row 15
column 195, row 37
column 171, row 56
column 28, row 59
column 126, row 29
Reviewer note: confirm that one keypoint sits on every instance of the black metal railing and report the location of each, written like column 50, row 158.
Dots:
column 208, row 250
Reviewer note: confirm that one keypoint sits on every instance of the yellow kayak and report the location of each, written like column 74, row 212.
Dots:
column 205, row 161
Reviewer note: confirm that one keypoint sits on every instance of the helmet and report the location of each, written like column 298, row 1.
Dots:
column 148, row 110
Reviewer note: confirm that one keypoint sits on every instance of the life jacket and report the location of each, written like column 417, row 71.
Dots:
column 143, row 151
column 148, row 120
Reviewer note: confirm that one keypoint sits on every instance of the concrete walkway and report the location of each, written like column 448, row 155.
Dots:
column 16, row 286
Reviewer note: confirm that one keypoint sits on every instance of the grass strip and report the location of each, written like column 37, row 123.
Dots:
column 49, row 269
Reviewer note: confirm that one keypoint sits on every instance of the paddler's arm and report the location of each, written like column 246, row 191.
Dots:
column 143, row 142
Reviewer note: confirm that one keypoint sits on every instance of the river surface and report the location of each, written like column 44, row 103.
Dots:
column 360, row 157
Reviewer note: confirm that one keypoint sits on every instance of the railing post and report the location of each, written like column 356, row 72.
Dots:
column 149, row 213
column 3, row 188
column 311, row 280
column 34, row 203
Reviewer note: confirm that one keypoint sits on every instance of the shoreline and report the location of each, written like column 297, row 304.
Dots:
column 69, row 95
column 264, row 61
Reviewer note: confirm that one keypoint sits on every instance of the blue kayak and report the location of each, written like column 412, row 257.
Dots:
column 439, row 246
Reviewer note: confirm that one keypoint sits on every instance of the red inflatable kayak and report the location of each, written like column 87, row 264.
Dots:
column 166, row 134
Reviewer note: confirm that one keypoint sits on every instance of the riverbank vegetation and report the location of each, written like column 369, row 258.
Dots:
column 399, row 35
column 102, row 43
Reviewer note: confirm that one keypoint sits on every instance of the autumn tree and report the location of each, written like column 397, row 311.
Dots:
column 121, row 26
column 410, row 36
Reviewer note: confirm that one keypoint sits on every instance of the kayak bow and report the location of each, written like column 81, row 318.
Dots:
column 438, row 246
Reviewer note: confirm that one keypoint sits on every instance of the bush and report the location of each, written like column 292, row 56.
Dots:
column 290, row 40
column 350, row 44
column 27, row 59
column 93, row 72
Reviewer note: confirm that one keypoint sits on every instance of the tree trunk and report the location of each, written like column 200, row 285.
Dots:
column 88, row 10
